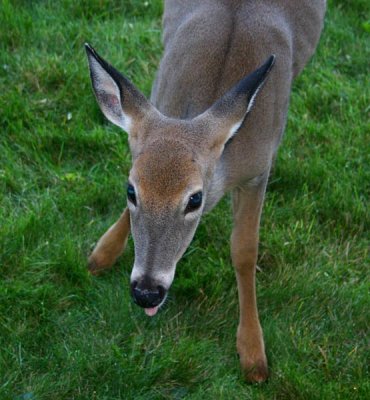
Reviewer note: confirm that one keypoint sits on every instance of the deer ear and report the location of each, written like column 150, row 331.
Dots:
column 227, row 115
column 117, row 97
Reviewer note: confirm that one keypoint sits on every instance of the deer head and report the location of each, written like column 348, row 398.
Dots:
column 173, row 162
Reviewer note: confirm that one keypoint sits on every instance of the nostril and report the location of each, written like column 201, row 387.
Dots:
column 161, row 291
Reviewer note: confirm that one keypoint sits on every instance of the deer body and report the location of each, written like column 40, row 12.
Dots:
column 210, row 45
column 199, row 139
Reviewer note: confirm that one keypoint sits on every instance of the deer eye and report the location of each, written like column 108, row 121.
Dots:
column 195, row 201
column 131, row 194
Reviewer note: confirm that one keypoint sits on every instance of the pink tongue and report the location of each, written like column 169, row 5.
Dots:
column 151, row 311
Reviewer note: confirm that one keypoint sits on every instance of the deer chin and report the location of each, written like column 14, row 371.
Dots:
column 150, row 312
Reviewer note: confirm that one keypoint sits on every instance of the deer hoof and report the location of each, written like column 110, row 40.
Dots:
column 255, row 372
column 95, row 267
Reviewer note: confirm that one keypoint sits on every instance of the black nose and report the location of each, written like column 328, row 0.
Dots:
column 146, row 296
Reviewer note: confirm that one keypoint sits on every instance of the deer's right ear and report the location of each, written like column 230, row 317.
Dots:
column 227, row 115
column 117, row 97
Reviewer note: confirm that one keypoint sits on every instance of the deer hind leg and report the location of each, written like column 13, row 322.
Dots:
column 111, row 245
column 247, row 206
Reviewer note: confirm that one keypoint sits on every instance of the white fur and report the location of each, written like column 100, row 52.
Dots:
column 164, row 278
column 234, row 128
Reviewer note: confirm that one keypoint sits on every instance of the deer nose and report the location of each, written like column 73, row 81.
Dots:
column 145, row 296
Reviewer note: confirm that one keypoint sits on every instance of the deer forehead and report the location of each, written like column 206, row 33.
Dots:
column 165, row 173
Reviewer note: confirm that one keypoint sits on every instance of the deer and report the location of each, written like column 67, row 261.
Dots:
column 213, row 125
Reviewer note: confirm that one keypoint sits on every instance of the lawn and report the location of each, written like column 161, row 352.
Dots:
column 63, row 168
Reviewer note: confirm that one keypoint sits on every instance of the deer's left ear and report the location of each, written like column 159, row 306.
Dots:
column 228, row 113
column 117, row 97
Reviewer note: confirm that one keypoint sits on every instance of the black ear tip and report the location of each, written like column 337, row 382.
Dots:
column 89, row 49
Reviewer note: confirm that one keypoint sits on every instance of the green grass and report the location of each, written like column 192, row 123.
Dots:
column 66, row 335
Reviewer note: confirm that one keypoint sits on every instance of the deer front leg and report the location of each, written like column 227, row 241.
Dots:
column 247, row 205
column 111, row 245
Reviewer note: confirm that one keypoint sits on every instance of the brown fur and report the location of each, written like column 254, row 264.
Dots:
column 111, row 245
column 165, row 168
column 180, row 143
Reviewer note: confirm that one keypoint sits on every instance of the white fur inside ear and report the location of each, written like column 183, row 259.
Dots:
column 251, row 101
column 108, row 96
column 253, row 98
column 234, row 128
